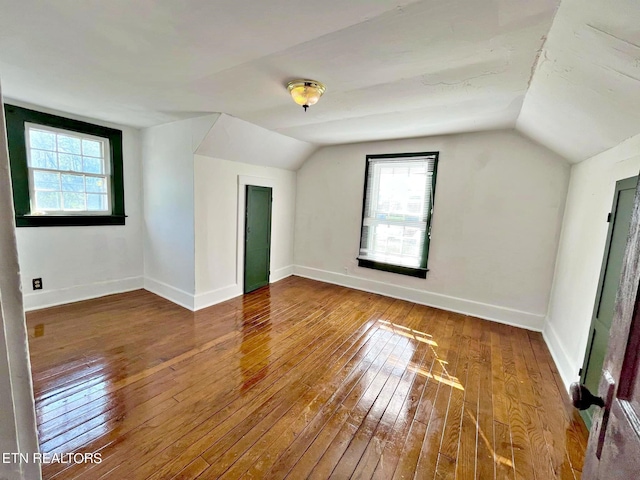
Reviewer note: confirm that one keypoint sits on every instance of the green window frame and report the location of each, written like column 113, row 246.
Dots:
column 395, row 200
column 18, row 119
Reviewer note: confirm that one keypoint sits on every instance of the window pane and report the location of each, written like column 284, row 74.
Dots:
column 397, row 206
column 68, row 144
column 42, row 140
column 96, row 202
column 93, row 165
column 70, row 162
column 72, row 183
column 47, row 201
column 96, row 184
column 91, row 148
column 43, row 159
column 73, row 201
column 46, row 180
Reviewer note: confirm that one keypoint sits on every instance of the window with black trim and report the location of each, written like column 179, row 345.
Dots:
column 396, row 212
column 64, row 172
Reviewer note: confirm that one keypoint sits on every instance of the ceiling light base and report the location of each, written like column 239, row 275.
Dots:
column 306, row 92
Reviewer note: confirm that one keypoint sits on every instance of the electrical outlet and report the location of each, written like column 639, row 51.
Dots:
column 37, row 283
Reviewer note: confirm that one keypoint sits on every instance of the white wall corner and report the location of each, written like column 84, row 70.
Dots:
column 567, row 369
column 173, row 294
column 281, row 273
column 508, row 316
column 213, row 297
column 200, row 128
column 51, row 298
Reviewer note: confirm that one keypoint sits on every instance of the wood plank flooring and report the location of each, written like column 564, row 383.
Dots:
column 297, row 380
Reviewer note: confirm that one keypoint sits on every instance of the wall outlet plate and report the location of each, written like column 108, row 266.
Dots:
column 37, row 283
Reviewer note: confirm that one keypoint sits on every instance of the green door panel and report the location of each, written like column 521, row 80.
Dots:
column 613, row 268
column 257, row 248
column 607, row 287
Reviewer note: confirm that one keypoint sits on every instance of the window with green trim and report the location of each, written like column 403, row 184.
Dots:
column 396, row 212
column 64, row 172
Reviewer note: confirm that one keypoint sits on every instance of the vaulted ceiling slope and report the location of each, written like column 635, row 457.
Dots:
column 584, row 97
column 393, row 68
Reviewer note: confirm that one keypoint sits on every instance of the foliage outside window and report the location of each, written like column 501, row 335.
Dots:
column 397, row 209
column 64, row 172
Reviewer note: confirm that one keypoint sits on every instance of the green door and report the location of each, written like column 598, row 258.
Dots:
column 257, row 237
column 608, row 285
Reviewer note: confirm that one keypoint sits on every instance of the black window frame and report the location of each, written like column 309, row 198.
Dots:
column 16, row 117
column 419, row 272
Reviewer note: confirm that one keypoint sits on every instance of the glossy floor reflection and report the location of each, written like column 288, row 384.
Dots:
column 299, row 380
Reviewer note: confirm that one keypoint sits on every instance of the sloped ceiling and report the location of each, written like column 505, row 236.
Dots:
column 393, row 68
column 233, row 139
column 585, row 95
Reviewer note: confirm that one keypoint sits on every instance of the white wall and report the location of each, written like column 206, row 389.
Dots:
column 169, row 244
column 76, row 263
column 497, row 214
column 17, row 413
column 580, row 252
column 218, row 243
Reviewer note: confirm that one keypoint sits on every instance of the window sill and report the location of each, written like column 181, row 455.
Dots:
column 387, row 267
column 68, row 221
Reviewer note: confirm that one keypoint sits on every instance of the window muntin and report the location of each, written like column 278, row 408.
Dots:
column 397, row 211
column 68, row 172
column 56, row 159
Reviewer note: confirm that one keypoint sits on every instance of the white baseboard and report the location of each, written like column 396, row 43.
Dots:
column 281, row 273
column 567, row 369
column 516, row 318
column 173, row 294
column 213, row 297
column 206, row 299
column 51, row 298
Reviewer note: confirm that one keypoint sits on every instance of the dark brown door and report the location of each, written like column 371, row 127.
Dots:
column 613, row 452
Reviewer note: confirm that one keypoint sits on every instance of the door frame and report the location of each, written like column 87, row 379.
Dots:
column 623, row 184
column 243, row 181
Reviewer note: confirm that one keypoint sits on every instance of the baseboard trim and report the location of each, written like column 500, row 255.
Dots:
column 508, row 316
column 61, row 296
column 281, row 273
column 173, row 294
column 213, row 297
column 566, row 368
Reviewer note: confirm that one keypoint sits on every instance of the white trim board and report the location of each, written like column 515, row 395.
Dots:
column 213, row 297
column 61, row 296
column 508, row 316
column 52, row 298
column 281, row 273
column 173, row 294
column 568, row 372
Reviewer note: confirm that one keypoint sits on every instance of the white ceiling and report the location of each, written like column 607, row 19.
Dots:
column 585, row 94
column 393, row 68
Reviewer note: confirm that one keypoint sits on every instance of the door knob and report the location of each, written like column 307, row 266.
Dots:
column 582, row 398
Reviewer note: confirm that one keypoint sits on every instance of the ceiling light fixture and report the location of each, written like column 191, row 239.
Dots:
column 306, row 92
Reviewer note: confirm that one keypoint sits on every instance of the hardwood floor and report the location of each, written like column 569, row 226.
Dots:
column 300, row 380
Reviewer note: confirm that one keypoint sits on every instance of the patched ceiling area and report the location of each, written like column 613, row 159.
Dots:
column 393, row 69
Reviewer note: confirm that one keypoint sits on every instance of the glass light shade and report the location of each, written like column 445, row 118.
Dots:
column 306, row 92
